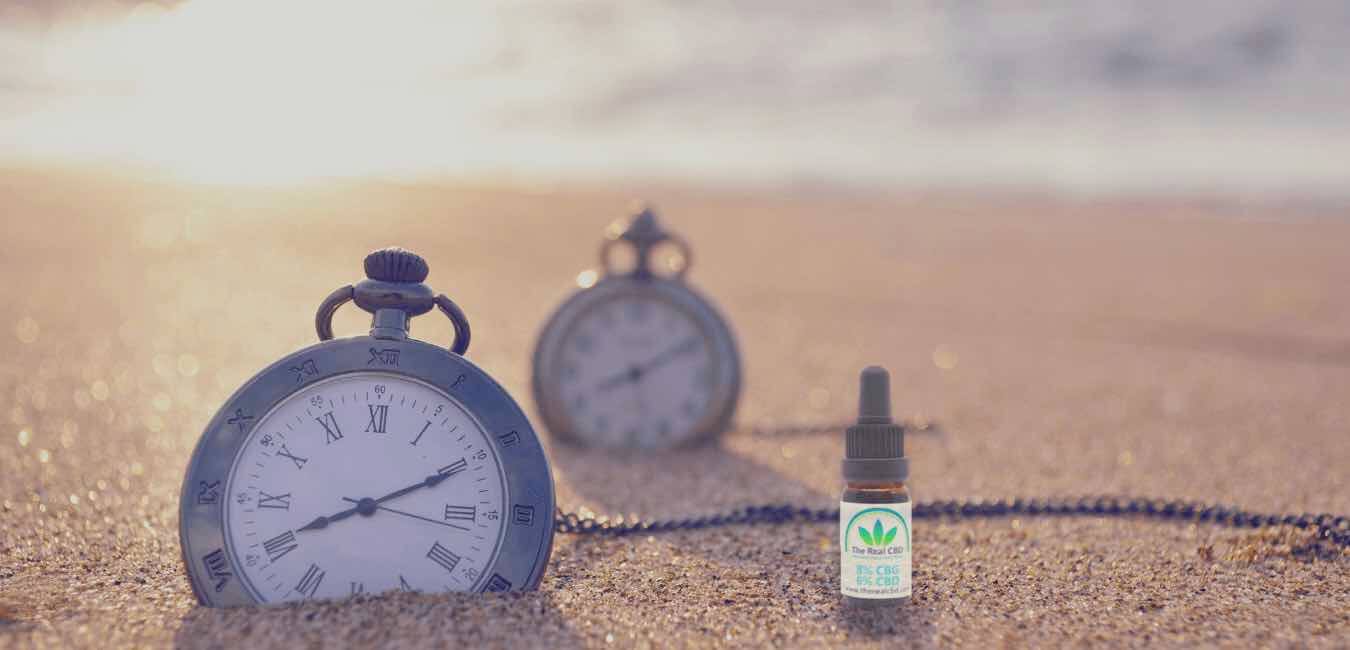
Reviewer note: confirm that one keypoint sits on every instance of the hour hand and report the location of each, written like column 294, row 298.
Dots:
column 318, row 523
column 363, row 506
column 631, row 375
column 322, row 522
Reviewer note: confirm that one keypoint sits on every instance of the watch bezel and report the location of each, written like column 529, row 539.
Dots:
column 523, row 549
column 725, row 353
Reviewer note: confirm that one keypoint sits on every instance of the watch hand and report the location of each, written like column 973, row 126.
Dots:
column 635, row 373
column 631, row 375
column 367, row 506
column 318, row 523
column 683, row 347
column 409, row 514
column 322, row 522
column 430, row 481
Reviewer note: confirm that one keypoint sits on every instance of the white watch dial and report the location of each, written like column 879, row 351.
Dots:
column 364, row 483
column 636, row 372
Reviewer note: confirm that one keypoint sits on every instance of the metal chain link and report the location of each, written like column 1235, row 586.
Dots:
column 1332, row 528
column 910, row 427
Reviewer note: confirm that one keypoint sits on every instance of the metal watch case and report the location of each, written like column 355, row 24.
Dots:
column 524, row 545
column 644, row 234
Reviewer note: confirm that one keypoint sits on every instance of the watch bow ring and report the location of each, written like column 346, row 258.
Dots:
column 394, row 283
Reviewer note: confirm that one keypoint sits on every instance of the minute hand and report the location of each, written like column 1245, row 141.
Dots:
column 322, row 522
column 636, row 372
column 429, row 481
column 683, row 347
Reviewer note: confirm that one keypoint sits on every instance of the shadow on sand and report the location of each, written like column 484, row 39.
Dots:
column 403, row 619
column 911, row 622
column 676, row 483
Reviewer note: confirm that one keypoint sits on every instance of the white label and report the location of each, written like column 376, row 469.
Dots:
column 874, row 550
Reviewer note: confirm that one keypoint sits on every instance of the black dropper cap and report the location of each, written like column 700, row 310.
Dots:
column 875, row 446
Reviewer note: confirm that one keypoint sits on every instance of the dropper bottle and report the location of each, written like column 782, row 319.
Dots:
column 875, row 565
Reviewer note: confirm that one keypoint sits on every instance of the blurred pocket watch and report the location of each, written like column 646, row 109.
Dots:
column 637, row 359
column 368, row 464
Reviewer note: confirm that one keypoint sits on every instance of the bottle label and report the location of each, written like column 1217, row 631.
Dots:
column 874, row 550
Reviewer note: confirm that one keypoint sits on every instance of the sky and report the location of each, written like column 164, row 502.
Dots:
column 240, row 89
column 1240, row 96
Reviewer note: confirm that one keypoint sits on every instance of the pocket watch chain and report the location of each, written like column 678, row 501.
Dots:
column 1329, row 527
column 1333, row 528
column 911, row 427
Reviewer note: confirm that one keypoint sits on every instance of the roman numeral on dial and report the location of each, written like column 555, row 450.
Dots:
column 331, row 431
column 497, row 583
column 465, row 513
column 279, row 502
column 379, row 415
column 218, row 568
column 454, row 468
column 299, row 462
column 403, row 584
column 419, row 433
column 442, row 556
column 279, row 546
column 309, row 583
column 358, row 588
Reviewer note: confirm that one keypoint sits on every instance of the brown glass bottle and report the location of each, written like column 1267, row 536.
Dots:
column 875, row 539
column 875, row 492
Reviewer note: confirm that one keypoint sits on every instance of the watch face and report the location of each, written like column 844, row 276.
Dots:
column 364, row 483
column 364, row 465
column 637, row 368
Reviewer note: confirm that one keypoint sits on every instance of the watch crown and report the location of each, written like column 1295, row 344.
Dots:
column 395, row 264
column 642, row 229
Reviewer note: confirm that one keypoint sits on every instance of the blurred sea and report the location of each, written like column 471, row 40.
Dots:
column 1240, row 97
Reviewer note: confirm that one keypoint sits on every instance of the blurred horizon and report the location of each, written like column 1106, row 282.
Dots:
column 1238, row 99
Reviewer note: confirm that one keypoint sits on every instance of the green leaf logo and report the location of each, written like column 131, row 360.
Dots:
column 878, row 536
column 866, row 536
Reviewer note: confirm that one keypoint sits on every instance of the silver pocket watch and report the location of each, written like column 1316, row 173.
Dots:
column 638, row 359
column 368, row 464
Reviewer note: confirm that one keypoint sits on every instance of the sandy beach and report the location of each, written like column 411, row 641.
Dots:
column 1158, row 347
